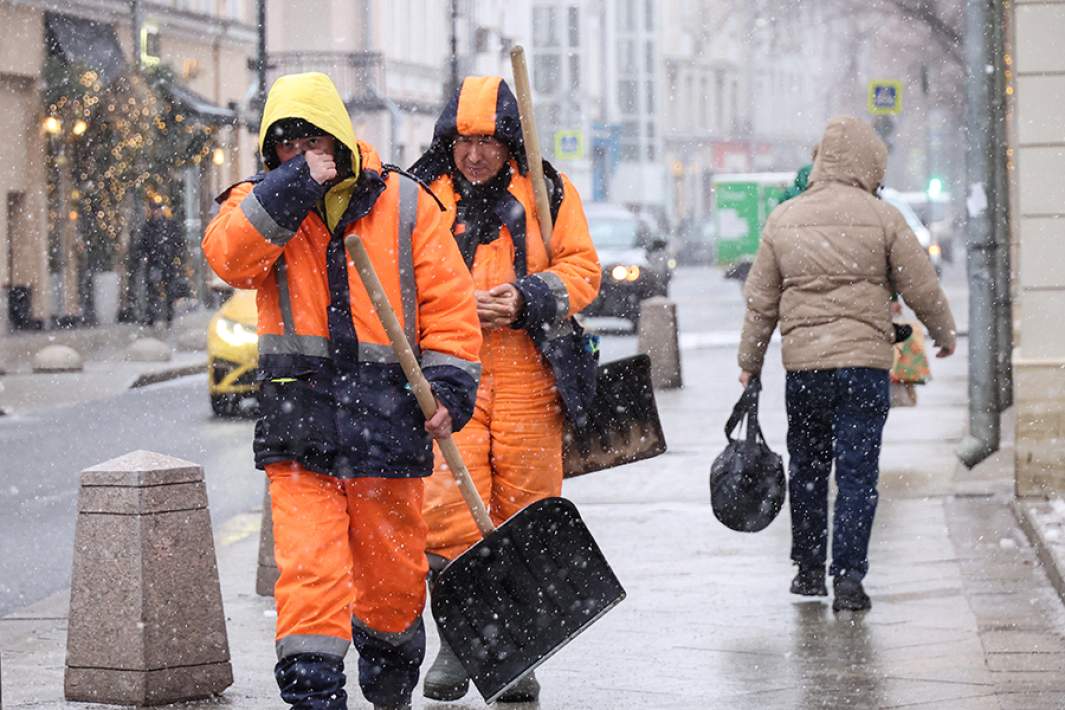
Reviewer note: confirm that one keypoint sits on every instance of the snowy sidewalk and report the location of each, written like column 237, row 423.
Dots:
column 107, row 371
column 963, row 615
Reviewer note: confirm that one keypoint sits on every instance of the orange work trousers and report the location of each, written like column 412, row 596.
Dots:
column 512, row 445
column 350, row 551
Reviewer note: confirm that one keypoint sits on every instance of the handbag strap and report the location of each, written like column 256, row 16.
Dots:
column 747, row 407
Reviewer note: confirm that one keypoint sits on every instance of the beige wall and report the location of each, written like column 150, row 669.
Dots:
column 1039, row 360
column 23, row 239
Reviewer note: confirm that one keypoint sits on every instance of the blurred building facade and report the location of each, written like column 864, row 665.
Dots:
column 1038, row 152
column 206, row 43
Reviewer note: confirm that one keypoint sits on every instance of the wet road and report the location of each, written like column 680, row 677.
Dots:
column 44, row 451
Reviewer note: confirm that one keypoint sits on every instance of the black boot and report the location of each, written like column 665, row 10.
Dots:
column 526, row 690
column 312, row 681
column 849, row 595
column 446, row 679
column 810, row 582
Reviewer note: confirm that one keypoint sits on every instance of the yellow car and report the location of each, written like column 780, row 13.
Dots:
column 233, row 355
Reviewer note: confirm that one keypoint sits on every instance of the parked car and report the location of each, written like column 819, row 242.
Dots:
column 696, row 242
column 233, row 355
column 923, row 234
column 635, row 259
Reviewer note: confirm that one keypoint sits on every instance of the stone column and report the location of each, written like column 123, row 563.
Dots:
column 657, row 335
column 146, row 622
column 1039, row 155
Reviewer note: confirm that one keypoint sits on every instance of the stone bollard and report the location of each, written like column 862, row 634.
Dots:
column 148, row 350
column 266, row 575
column 146, row 623
column 658, row 338
column 57, row 358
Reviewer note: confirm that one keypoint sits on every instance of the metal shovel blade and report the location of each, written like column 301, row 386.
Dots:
column 522, row 593
column 623, row 424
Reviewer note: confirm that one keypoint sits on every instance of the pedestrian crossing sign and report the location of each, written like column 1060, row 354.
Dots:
column 569, row 145
column 885, row 97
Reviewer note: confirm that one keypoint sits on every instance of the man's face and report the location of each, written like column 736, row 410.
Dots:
column 479, row 158
column 289, row 148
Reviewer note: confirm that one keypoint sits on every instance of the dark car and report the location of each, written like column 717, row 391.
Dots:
column 635, row 259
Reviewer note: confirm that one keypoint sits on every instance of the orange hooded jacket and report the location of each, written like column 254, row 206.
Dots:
column 332, row 395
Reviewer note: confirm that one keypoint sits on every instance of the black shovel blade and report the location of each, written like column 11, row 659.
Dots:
column 522, row 593
column 622, row 424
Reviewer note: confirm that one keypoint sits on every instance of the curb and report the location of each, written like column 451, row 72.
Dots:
column 152, row 378
column 1055, row 568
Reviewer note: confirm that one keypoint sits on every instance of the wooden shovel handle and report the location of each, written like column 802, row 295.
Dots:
column 532, row 145
column 422, row 391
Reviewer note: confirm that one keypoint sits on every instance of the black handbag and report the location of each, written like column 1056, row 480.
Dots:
column 747, row 483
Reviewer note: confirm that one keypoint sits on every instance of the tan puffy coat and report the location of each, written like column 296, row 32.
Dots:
column 829, row 262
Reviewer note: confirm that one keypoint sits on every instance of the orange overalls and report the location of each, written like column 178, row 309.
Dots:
column 513, row 444
column 339, row 435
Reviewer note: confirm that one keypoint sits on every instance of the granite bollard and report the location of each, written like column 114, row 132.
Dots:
column 266, row 574
column 146, row 623
column 657, row 333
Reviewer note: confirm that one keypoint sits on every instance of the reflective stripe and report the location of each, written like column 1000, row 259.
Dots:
column 369, row 352
column 328, row 645
column 284, row 296
column 392, row 638
column 431, row 358
column 312, row 345
column 259, row 218
column 408, row 215
column 558, row 290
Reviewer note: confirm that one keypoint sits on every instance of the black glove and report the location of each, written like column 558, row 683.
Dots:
column 902, row 332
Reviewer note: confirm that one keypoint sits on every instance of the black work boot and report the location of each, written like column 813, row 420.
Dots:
column 526, row 690
column 446, row 679
column 849, row 595
column 810, row 582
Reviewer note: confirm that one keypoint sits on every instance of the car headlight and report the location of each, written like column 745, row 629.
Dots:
column 632, row 273
column 619, row 272
column 234, row 333
column 934, row 250
column 672, row 263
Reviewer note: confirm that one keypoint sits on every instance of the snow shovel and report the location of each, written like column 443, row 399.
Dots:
column 622, row 424
column 528, row 587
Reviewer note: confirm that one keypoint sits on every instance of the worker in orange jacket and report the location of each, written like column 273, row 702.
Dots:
column 476, row 165
column 341, row 438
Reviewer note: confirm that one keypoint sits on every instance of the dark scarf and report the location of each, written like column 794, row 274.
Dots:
column 477, row 220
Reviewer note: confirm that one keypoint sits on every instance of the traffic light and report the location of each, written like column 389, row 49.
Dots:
column 935, row 188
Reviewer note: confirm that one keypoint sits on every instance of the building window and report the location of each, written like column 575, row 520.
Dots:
column 574, row 72
column 545, row 26
column 649, row 57
column 574, row 27
column 704, row 101
column 649, row 89
column 627, row 61
column 627, row 16
column 649, row 14
column 628, row 100
column 546, row 69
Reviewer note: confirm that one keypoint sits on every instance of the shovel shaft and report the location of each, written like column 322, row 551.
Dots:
column 532, row 145
column 419, row 385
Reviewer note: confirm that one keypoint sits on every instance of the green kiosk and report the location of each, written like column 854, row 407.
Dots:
column 741, row 205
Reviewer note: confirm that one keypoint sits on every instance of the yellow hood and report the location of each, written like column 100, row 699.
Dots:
column 314, row 98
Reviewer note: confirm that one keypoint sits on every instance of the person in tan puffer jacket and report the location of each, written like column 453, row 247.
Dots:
column 828, row 265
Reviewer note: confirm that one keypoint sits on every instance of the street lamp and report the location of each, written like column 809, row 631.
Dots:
column 218, row 156
column 52, row 126
column 80, row 126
